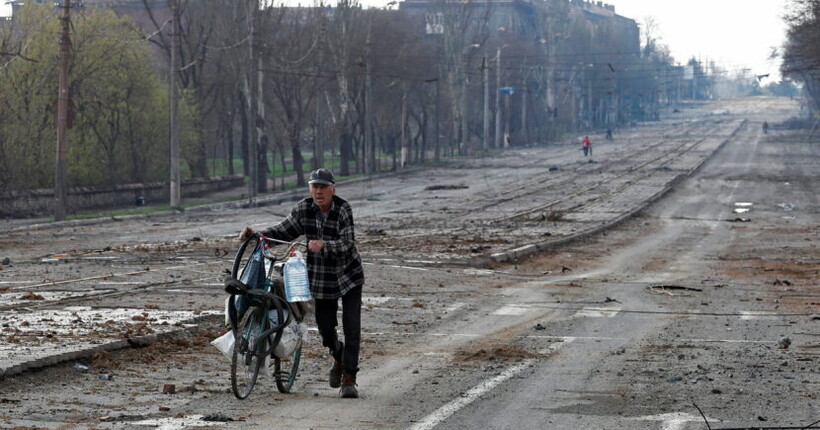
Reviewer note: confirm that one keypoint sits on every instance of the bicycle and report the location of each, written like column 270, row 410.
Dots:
column 257, row 289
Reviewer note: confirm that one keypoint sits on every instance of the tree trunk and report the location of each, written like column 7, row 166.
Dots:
column 243, row 119
column 346, row 153
column 296, row 153
column 229, row 143
column 262, row 166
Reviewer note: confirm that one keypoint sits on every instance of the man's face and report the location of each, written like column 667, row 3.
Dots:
column 322, row 194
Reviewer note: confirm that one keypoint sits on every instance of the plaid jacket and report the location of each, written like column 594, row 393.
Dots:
column 337, row 268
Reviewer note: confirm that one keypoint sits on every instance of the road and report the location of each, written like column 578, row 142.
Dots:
column 669, row 282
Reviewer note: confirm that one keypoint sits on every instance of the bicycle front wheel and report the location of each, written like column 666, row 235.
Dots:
column 284, row 370
column 248, row 352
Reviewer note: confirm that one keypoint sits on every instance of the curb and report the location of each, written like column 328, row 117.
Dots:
column 192, row 326
column 268, row 199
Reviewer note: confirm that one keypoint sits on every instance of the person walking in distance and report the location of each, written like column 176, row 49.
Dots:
column 765, row 127
column 586, row 145
column 334, row 270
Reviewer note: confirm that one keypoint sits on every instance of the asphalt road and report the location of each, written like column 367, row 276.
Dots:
column 670, row 282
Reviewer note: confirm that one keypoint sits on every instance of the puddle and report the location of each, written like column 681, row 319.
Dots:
column 596, row 312
column 512, row 310
column 483, row 272
column 742, row 207
column 375, row 300
column 178, row 423
column 788, row 207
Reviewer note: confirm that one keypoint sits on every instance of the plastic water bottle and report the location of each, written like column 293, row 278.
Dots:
column 296, row 279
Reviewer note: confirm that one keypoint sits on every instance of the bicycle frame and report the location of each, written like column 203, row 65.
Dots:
column 256, row 336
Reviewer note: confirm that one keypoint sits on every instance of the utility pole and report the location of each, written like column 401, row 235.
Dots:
column 498, row 98
column 507, row 120
column 437, row 128
column 60, row 186
column 173, row 132
column 524, row 128
column 261, row 147
column 253, row 8
column 486, row 80
column 405, row 141
column 370, row 151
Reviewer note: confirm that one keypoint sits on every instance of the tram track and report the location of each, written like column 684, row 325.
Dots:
column 633, row 171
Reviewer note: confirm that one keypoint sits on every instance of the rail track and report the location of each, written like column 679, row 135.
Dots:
column 547, row 204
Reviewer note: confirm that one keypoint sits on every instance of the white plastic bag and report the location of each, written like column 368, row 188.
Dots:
column 292, row 334
column 224, row 344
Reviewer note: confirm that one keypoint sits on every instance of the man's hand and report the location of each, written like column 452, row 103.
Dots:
column 315, row 245
column 246, row 233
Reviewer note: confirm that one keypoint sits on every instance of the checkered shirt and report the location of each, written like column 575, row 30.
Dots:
column 337, row 268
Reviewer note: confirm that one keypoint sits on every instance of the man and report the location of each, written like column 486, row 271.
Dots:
column 334, row 269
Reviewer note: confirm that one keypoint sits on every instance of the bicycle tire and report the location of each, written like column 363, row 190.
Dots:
column 284, row 369
column 243, row 255
column 245, row 363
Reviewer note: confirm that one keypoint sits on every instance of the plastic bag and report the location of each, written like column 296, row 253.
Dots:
column 224, row 344
column 253, row 274
column 292, row 334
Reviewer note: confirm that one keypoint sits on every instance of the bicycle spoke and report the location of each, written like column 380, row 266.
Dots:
column 247, row 356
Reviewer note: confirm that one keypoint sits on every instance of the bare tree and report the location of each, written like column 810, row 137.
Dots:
column 292, row 74
column 801, row 58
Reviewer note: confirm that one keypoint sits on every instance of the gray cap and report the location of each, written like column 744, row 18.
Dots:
column 322, row 176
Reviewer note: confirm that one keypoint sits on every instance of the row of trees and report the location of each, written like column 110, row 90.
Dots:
column 801, row 57
column 118, row 105
column 293, row 86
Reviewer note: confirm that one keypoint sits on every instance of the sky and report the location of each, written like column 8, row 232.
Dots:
column 736, row 34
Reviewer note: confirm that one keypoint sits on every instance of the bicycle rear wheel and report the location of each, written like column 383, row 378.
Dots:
column 284, row 369
column 246, row 362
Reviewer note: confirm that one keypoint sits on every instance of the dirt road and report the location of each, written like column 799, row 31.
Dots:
column 674, row 275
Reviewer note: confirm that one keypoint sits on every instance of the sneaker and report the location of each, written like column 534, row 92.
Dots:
column 335, row 376
column 349, row 390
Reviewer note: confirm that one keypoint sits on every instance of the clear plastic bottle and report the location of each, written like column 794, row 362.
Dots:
column 296, row 279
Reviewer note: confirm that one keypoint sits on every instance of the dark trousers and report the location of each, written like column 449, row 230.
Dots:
column 325, row 312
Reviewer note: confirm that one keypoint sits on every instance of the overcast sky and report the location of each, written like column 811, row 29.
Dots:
column 737, row 34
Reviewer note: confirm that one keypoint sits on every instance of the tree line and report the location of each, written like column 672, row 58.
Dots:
column 360, row 90
column 801, row 58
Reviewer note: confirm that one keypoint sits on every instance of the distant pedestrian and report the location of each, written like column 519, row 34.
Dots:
column 586, row 146
column 765, row 127
column 609, row 134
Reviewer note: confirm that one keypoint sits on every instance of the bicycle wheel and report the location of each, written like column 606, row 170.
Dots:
column 246, row 362
column 243, row 256
column 284, row 370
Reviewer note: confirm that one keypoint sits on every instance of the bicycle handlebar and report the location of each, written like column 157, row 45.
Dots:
column 284, row 242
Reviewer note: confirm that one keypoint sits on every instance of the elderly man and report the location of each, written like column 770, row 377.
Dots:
column 334, row 269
